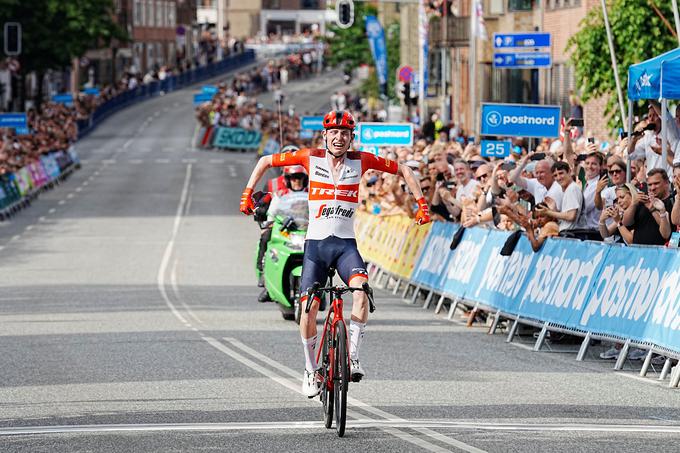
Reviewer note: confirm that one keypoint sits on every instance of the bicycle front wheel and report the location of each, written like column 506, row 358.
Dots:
column 341, row 377
column 327, row 385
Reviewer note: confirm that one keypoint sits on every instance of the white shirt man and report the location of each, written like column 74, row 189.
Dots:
column 591, row 215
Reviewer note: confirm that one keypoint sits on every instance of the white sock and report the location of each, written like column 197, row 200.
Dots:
column 310, row 353
column 356, row 334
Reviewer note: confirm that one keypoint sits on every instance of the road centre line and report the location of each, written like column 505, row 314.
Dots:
column 296, row 388
column 175, row 290
column 353, row 424
column 355, row 402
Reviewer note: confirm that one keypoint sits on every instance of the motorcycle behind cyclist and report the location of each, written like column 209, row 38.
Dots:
column 335, row 173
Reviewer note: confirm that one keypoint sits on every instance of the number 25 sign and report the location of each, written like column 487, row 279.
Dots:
column 495, row 148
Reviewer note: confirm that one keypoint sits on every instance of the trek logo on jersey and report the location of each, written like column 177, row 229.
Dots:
column 323, row 191
column 328, row 211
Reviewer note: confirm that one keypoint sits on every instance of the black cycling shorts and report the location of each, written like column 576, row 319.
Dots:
column 342, row 254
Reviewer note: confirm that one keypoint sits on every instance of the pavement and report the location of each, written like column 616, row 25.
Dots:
column 129, row 322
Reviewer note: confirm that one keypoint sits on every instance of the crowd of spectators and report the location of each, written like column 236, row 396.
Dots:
column 573, row 187
column 54, row 129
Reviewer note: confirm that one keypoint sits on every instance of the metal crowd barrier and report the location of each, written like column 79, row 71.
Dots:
column 483, row 282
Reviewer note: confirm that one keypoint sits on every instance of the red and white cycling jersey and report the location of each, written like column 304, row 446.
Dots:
column 332, row 205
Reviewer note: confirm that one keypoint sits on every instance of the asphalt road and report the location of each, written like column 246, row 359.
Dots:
column 129, row 322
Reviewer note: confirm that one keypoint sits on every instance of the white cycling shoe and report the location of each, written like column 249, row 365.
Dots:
column 310, row 384
column 356, row 372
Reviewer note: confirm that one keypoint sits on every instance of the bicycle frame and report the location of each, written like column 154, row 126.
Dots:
column 337, row 306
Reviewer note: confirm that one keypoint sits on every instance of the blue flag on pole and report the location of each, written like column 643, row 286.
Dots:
column 376, row 40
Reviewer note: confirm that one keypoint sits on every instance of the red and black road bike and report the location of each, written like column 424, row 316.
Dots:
column 334, row 373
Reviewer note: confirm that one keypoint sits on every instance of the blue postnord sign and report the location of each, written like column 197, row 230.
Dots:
column 521, row 40
column 311, row 123
column 495, row 148
column 522, row 60
column 209, row 89
column 15, row 120
column 385, row 134
column 65, row 98
column 94, row 91
column 520, row 120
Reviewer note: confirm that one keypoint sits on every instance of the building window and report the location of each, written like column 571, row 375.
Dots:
column 149, row 13
column 495, row 7
column 159, row 14
column 172, row 14
column 559, row 4
column 138, row 13
column 271, row 4
column 519, row 5
column 310, row 4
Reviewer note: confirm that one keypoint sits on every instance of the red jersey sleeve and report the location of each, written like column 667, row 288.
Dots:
column 299, row 157
column 372, row 162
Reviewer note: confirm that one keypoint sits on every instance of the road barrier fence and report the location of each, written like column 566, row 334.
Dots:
column 595, row 290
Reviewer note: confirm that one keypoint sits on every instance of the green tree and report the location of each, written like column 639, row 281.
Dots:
column 349, row 45
column 638, row 33
column 56, row 31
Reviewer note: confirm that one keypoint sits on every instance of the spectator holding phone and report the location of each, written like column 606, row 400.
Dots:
column 605, row 193
column 540, row 227
column 572, row 199
column 544, row 185
column 648, row 214
column 647, row 144
column 611, row 222
column 593, row 166
column 675, row 212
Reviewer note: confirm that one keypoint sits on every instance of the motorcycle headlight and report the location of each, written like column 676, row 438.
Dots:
column 295, row 242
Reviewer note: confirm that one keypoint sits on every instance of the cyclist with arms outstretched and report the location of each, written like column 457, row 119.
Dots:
column 334, row 177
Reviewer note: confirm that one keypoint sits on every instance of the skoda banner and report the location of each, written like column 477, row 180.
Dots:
column 521, row 120
column 385, row 134
column 236, row 138
column 376, row 39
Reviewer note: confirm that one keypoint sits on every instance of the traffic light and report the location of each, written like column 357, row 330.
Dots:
column 345, row 12
column 12, row 39
column 406, row 92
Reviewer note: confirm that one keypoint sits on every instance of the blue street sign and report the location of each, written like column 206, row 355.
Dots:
column 520, row 120
column 65, row 98
column 15, row 120
column 510, row 40
column 311, row 123
column 495, row 148
column 202, row 97
column 385, row 134
column 92, row 91
column 209, row 89
column 522, row 60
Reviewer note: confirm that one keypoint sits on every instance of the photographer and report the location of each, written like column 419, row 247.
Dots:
column 605, row 193
column 540, row 227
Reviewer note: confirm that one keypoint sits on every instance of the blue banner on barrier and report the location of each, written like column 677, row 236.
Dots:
column 15, row 120
column 459, row 274
column 202, row 97
column 209, row 89
column 433, row 260
column 236, row 138
column 66, row 99
column 311, row 123
column 637, row 295
column 92, row 91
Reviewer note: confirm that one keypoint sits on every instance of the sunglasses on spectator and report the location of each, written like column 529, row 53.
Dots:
column 615, row 171
column 482, row 176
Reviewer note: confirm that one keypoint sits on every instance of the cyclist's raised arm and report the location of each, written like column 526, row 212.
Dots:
column 262, row 166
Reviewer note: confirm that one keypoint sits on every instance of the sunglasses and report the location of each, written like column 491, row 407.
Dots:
column 482, row 176
column 615, row 172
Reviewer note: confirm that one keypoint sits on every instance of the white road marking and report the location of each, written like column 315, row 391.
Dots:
column 309, row 425
column 61, row 202
column 522, row 346
column 28, row 228
column 52, row 211
column 216, row 161
column 79, row 189
column 109, row 161
column 42, row 219
column 69, row 196
column 135, row 161
column 128, row 143
column 171, row 244
column 96, row 173
column 163, row 161
column 2, row 247
column 355, row 402
column 16, row 237
column 232, row 171
column 189, row 161
column 175, row 290
column 86, row 183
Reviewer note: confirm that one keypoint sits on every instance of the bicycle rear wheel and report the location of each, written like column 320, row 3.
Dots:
column 341, row 378
column 327, row 385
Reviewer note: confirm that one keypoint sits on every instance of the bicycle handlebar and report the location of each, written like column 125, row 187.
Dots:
column 339, row 290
